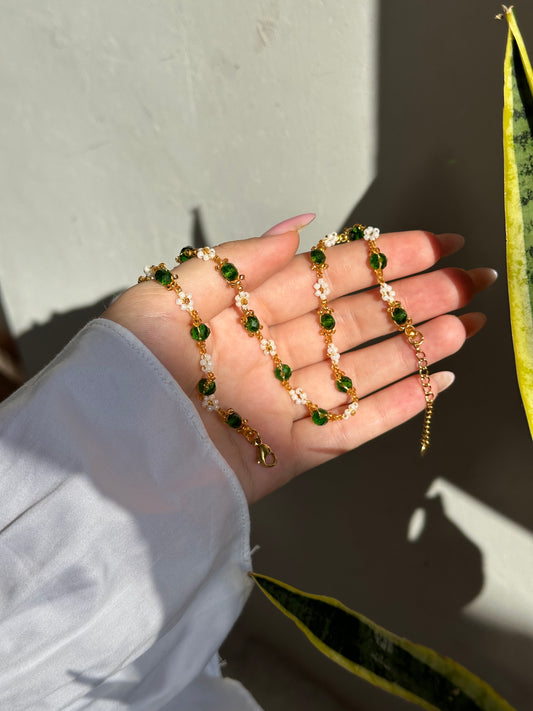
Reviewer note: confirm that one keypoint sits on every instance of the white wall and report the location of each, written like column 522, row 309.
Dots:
column 120, row 119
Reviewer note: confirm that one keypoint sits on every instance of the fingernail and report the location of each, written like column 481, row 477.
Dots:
column 473, row 322
column 292, row 224
column 443, row 379
column 450, row 243
column 482, row 277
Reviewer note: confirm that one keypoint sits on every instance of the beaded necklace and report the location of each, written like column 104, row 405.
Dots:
column 200, row 332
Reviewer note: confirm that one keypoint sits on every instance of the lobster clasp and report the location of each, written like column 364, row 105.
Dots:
column 265, row 456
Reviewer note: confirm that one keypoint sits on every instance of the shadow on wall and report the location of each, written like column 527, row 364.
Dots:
column 42, row 342
column 11, row 372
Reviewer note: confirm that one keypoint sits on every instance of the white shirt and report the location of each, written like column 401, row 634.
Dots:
column 124, row 539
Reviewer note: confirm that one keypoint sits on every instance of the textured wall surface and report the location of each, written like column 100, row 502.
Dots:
column 120, row 119
column 128, row 129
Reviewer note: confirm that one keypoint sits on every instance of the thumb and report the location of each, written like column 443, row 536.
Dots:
column 292, row 224
column 256, row 259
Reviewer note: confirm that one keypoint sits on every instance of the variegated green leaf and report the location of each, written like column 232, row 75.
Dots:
column 518, row 179
column 394, row 664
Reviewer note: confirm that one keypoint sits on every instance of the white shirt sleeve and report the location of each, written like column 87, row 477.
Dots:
column 124, row 539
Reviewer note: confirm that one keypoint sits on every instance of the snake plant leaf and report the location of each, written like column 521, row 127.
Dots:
column 411, row 671
column 518, row 181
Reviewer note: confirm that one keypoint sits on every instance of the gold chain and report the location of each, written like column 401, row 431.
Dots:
column 378, row 262
column 207, row 386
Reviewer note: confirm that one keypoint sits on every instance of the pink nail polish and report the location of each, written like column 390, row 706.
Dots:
column 292, row 224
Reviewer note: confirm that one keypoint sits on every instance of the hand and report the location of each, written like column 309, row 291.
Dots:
column 280, row 284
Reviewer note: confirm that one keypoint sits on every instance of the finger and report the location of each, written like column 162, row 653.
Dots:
column 381, row 364
column 152, row 314
column 363, row 317
column 256, row 259
column 377, row 414
column 289, row 292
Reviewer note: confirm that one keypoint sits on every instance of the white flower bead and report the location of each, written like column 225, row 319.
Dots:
column 210, row 403
column 206, row 364
column 333, row 353
column 242, row 299
column 387, row 293
column 371, row 233
column 321, row 288
column 206, row 253
column 148, row 271
column 298, row 396
column 185, row 301
column 331, row 239
column 269, row 347
column 350, row 410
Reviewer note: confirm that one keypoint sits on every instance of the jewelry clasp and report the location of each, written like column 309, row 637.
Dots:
column 265, row 455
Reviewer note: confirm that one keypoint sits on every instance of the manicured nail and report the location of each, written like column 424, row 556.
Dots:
column 473, row 322
column 292, row 224
column 482, row 277
column 443, row 379
column 450, row 243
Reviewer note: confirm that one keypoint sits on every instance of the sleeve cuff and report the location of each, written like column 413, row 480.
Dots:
column 125, row 542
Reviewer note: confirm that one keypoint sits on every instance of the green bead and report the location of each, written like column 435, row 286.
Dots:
column 200, row 333
column 252, row 324
column 327, row 322
column 378, row 260
column 399, row 316
column 344, row 383
column 163, row 276
column 229, row 272
column 183, row 254
column 234, row 420
column 318, row 256
column 283, row 373
column 206, row 387
column 355, row 233
column 320, row 416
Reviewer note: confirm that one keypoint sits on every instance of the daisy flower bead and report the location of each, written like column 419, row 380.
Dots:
column 206, row 364
column 330, row 240
column 185, row 301
column 241, row 299
column 268, row 347
column 387, row 293
column 210, row 403
column 371, row 233
column 333, row 353
column 298, row 396
column 321, row 288
column 148, row 271
column 206, row 253
column 350, row 410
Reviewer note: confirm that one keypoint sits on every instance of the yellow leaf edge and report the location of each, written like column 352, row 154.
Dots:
column 519, row 302
column 447, row 667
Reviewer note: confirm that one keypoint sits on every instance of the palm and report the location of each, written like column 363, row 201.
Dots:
column 281, row 294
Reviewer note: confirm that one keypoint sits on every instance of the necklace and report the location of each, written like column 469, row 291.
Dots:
column 200, row 332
